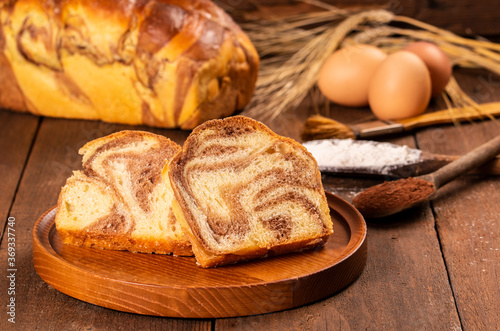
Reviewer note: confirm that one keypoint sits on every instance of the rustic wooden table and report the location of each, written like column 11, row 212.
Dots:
column 434, row 267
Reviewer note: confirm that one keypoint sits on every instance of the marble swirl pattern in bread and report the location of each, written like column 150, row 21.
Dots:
column 131, row 166
column 246, row 187
column 119, row 200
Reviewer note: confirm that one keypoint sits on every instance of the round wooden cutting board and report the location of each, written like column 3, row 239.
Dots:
column 175, row 287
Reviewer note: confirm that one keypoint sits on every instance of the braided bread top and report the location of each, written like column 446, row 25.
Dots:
column 166, row 63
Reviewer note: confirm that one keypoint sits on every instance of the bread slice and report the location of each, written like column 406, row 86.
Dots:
column 119, row 200
column 244, row 192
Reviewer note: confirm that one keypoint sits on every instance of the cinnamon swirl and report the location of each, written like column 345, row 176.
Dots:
column 243, row 192
column 119, row 199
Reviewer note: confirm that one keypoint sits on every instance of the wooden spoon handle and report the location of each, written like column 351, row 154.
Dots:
column 469, row 161
column 432, row 162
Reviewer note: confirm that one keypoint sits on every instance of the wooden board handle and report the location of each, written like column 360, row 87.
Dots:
column 451, row 115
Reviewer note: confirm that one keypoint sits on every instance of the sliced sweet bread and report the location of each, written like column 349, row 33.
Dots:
column 119, row 199
column 244, row 192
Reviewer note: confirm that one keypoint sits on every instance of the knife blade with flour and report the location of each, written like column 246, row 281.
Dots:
column 371, row 158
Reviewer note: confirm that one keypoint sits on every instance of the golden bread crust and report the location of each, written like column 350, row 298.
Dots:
column 222, row 218
column 125, row 243
column 11, row 96
column 164, row 63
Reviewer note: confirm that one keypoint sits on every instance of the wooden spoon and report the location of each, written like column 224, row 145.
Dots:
column 392, row 197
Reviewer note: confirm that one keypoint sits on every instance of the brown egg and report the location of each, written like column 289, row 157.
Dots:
column 437, row 62
column 400, row 88
column 345, row 76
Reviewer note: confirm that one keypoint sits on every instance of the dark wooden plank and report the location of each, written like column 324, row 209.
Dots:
column 17, row 132
column 39, row 306
column 465, row 17
column 467, row 216
column 467, row 213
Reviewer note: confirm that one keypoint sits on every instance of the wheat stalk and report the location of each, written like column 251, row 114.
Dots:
column 284, row 87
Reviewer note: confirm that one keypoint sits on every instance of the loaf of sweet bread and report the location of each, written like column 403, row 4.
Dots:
column 164, row 63
column 119, row 199
column 244, row 192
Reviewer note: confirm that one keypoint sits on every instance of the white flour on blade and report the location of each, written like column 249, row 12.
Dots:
column 379, row 157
